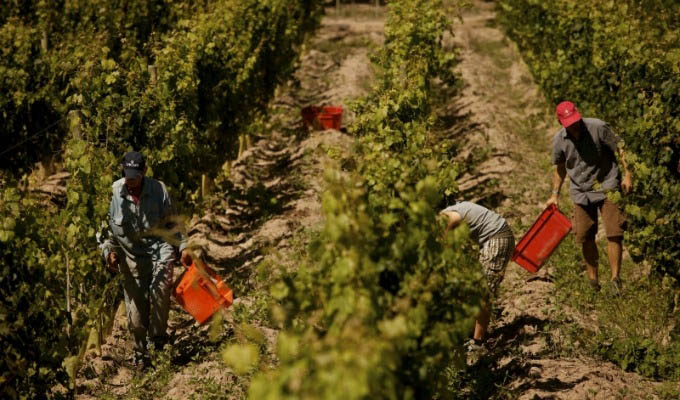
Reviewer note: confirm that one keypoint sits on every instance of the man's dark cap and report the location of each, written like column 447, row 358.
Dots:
column 133, row 164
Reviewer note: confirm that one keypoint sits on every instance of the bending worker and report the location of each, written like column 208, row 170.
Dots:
column 139, row 206
column 497, row 244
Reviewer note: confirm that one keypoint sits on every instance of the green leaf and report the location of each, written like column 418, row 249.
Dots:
column 241, row 358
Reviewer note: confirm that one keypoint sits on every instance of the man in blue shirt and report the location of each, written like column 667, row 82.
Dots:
column 139, row 212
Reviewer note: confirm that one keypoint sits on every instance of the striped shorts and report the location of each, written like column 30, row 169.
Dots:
column 494, row 256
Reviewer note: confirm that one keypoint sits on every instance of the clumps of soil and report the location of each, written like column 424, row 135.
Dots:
column 235, row 228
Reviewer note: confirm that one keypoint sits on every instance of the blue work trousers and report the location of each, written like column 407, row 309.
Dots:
column 147, row 282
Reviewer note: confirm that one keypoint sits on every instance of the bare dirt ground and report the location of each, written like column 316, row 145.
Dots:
column 263, row 204
column 502, row 98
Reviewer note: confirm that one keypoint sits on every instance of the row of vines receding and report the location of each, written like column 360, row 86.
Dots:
column 81, row 82
column 383, row 302
column 620, row 61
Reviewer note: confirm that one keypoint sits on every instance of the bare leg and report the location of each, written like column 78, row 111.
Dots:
column 590, row 255
column 482, row 322
column 615, row 249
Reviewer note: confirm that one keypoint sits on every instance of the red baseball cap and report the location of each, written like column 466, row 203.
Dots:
column 567, row 113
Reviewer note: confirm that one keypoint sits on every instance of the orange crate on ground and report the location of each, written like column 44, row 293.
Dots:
column 542, row 239
column 201, row 297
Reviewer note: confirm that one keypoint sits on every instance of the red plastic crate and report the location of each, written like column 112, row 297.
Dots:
column 331, row 117
column 542, row 239
column 201, row 297
column 322, row 117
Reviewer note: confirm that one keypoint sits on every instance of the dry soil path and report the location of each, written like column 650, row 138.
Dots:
column 502, row 97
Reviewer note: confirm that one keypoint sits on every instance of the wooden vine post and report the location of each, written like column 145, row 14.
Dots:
column 206, row 186
column 76, row 129
column 75, row 125
column 75, row 122
column 153, row 75
column 68, row 294
column 43, row 41
column 244, row 142
column 46, row 164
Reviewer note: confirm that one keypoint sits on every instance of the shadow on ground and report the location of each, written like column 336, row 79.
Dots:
column 496, row 370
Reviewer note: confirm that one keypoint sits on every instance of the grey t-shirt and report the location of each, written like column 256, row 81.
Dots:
column 483, row 223
column 590, row 161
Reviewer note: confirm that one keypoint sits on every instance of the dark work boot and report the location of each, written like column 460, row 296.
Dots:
column 140, row 362
column 595, row 285
column 158, row 342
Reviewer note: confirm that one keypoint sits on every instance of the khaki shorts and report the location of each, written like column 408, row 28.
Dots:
column 585, row 220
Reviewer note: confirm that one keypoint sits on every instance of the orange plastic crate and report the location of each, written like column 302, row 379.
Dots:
column 542, row 239
column 201, row 297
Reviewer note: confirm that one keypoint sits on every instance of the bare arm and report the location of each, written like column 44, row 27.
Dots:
column 454, row 220
column 559, row 174
column 622, row 159
column 107, row 244
column 627, row 183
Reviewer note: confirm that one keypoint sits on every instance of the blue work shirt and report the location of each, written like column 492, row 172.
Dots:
column 139, row 229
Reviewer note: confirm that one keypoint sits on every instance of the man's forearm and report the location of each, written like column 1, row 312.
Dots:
column 454, row 220
column 622, row 158
column 107, row 248
column 559, row 173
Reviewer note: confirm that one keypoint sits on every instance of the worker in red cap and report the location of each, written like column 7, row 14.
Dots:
column 586, row 149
